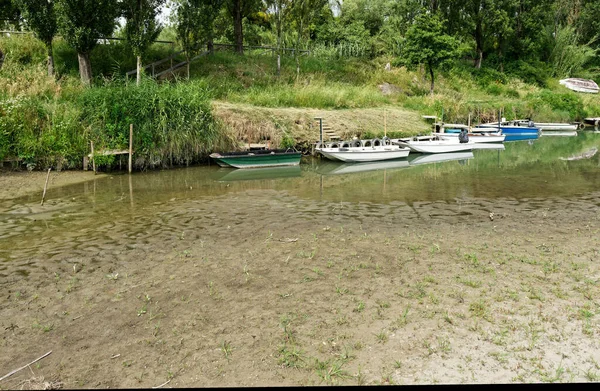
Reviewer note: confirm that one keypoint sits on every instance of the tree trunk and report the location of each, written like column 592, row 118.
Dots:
column 85, row 68
column 237, row 26
column 139, row 71
column 210, row 46
column 1, row 59
column 432, row 79
column 478, row 41
column 296, row 54
column 50, row 59
column 188, row 66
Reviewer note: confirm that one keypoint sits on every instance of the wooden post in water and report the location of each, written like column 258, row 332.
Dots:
column 45, row 186
column 130, row 146
column 93, row 160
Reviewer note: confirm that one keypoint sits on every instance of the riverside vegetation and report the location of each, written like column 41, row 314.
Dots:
column 231, row 99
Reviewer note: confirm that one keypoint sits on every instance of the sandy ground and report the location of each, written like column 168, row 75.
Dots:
column 262, row 288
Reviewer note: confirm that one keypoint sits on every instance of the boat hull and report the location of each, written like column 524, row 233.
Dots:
column 364, row 154
column 514, row 133
column 479, row 137
column 258, row 160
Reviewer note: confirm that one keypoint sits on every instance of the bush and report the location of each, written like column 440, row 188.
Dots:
column 172, row 123
column 533, row 73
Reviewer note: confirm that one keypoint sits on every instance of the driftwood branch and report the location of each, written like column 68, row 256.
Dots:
column 24, row 366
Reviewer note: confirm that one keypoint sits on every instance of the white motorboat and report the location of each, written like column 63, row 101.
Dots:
column 440, row 157
column 477, row 135
column 445, row 145
column 365, row 154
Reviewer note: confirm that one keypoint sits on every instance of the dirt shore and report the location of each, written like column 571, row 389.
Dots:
column 263, row 288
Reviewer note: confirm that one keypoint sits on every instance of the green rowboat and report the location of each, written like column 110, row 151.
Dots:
column 258, row 158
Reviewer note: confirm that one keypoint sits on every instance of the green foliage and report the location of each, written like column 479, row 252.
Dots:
column 195, row 23
column 534, row 72
column 426, row 43
column 568, row 56
column 40, row 17
column 568, row 103
column 83, row 22
column 172, row 124
column 141, row 27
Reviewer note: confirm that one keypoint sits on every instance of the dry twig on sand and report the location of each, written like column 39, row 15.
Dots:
column 25, row 366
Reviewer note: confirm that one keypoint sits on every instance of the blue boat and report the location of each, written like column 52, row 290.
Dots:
column 514, row 130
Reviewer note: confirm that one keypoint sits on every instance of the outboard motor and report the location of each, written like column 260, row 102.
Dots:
column 463, row 137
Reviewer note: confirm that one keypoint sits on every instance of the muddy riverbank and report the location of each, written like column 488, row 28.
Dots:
column 239, row 284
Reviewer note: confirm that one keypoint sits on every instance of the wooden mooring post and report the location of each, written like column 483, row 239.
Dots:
column 130, row 146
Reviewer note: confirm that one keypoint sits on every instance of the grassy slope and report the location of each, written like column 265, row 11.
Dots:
column 352, row 96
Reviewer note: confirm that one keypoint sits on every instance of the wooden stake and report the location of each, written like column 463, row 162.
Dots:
column 93, row 159
column 45, row 187
column 384, row 123
column 24, row 366
column 130, row 146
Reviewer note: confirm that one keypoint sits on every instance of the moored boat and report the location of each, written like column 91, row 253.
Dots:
column 580, row 85
column 364, row 154
column 454, row 130
column 514, row 131
column 444, row 145
column 258, row 158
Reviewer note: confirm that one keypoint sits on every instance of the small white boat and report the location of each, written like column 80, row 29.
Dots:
column 549, row 126
column 440, row 157
column 580, row 85
column 477, row 135
column 365, row 154
column 445, row 145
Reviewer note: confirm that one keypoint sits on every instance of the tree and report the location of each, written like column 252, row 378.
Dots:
column 141, row 27
column 82, row 23
column 195, row 24
column 426, row 43
column 303, row 11
column 281, row 10
column 238, row 10
column 41, row 19
column 10, row 15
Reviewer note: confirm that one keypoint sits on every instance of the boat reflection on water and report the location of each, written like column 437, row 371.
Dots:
column 418, row 159
column 247, row 174
column 335, row 168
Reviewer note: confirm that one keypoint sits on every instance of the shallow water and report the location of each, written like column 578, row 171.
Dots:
column 106, row 215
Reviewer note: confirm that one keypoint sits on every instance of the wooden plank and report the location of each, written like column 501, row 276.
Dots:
column 109, row 152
